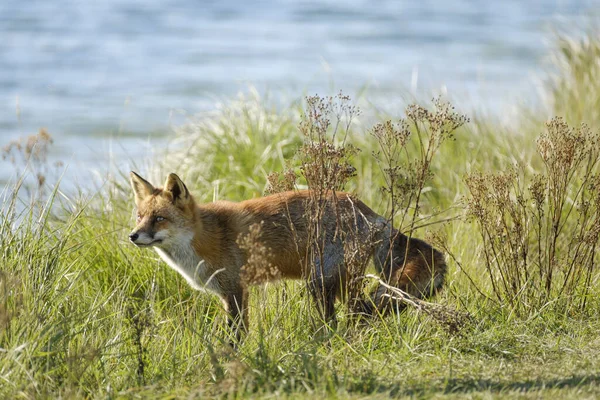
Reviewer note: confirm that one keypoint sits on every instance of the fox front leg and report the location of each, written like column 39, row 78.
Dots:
column 236, row 304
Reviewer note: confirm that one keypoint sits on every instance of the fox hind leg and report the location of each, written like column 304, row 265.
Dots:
column 325, row 282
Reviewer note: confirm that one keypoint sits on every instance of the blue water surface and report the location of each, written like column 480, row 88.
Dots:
column 89, row 71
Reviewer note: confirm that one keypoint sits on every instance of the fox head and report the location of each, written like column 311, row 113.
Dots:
column 165, row 217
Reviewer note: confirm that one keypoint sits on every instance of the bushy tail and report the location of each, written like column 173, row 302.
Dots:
column 412, row 265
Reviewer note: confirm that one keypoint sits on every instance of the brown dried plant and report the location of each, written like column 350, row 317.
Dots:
column 281, row 182
column 540, row 233
column 258, row 269
column 406, row 152
column 11, row 302
column 407, row 170
column 453, row 320
column 31, row 154
column 325, row 164
column 325, row 157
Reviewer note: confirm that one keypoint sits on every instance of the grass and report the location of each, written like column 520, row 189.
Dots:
column 85, row 314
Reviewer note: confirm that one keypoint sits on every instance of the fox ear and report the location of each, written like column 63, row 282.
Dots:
column 141, row 187
column 176, row 188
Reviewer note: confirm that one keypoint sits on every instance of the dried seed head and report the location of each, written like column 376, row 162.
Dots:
column 278, row 182
column 258, row 267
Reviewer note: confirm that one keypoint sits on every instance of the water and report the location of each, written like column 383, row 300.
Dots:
column 92, row 71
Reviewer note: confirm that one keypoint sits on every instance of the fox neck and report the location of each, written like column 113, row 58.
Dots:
column 196, row 255
column 209, row 238
column 183, row 258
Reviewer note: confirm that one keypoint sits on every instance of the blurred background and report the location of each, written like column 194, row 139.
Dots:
column 114, row 76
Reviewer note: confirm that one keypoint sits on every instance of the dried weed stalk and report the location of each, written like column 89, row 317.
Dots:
column 325, row 157
column 325, row 165
column 406, row 152
column 407, row 170
column 11, row 303
column 451, row 319
column 281, row 182
column 540, row 233
column 31, row 154
column 139, row 316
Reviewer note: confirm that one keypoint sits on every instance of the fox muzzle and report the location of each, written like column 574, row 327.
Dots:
column 142, row 239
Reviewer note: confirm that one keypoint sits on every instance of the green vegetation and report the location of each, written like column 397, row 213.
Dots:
column 83, row 313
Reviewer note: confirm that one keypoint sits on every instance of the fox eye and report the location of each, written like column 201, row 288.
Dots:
column 138, row 217
column 159, row 219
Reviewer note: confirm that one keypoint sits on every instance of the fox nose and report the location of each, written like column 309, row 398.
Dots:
column 133, row 236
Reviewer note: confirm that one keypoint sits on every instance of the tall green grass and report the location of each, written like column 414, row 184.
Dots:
column 574, row 83
column 85, row 314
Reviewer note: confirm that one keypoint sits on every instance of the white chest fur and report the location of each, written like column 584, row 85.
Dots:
column 183, row 259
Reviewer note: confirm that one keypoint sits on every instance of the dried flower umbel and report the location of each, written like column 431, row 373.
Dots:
column 277, row 182
column 258, row 268
column 407, row 171
column 31, row 154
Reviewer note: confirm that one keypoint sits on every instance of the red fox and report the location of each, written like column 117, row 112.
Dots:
column 200, row 242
